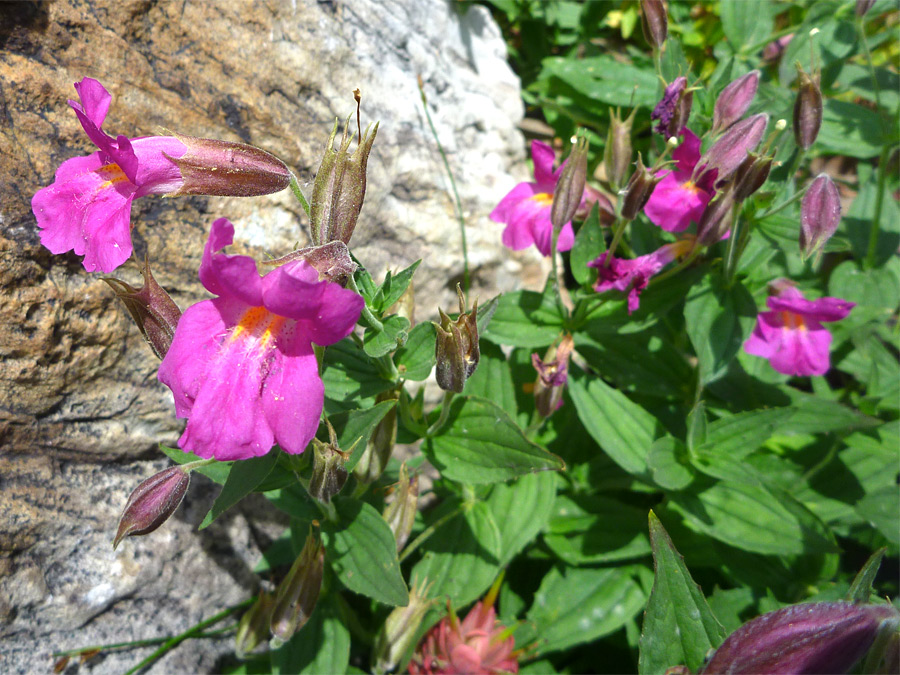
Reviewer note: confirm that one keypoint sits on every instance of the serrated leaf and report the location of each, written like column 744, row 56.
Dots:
column 394, row 334
column 523, row 507
column 361, row 549
column 396, row 285
column 589, row 244
column 480, row 443
column 679, row 627
column 415, row 359
column 243, row 478
column 354, row 427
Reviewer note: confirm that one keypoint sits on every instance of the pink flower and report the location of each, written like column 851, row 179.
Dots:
column 241, row 366
column 88, row 207
column 477, row 645
column 526, row 209
column 791, row 336
column 678, row 199
column 634, row 275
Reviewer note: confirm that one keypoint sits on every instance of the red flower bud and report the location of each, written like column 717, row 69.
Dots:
column 716, row 219
column 729, row 151
column 734, row 100
column 820, row 213
column 654, row 22
column 637, row 192
column 751, row 175
column 152, row 503
column 807, row 109
column 569, row 191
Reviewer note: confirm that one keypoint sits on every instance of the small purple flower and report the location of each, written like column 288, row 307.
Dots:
column 241, row 366
column 679, row 200
column 791, row 335
column 634, row 275
column 553, row 373
column 526, row 209
column 667, row 107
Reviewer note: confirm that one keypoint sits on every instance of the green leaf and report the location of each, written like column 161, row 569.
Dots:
column 739, row 435
column 243, row 478
column 717, row 321
column 380, row 343
column 578, row 605
column 849, row 129
column 669, row 465
column 355, row 427
column 462, row 557
column 585, row 530
column 622, row 428
column 364, row 281
column 679, row 627
column 745, row 23
column 603, row 79
column 415, row 359
column 321, row 646
column 350, row 375
column 485, row 314
column 493, row 379
column 880, row 508
column 395, row 286
column 480, row 443
column 525, row 319
column 589, row 244
column 861, row 588
column 217, row 472
column 523, row 507
column 752, row 518
column 363, row 553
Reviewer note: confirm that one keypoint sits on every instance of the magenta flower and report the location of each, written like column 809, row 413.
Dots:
column 791, row 336
column 526, row 209
column 678, row 199
column 241, row 366
column 634, row 275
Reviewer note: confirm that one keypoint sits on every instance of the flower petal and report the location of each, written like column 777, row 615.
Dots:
column 673, row 205
column 233, row 276
column 507, row 205
column 293, row 393
column 157, row 173
column 543, row 157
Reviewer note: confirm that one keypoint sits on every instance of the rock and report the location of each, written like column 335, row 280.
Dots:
column 81, row 412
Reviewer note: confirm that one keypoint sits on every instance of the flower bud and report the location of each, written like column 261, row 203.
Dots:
column 654, row 22
column 569, row 192
column 617, row 153
column 637, row 192
column 456, row 350
column 226, row 169
column 340, row 187
column 297, row 594
column 332, row 261
column 825, row 637
column 807, row 109
column 773, row 51
column 553, row 373
column 751, row 175
column 253, row 628
column 398, row 634
column 401, row 513
column 734, row 100
column 863, row 6
column 716, row 219
column 154, row 312
column 328, row 472
column 727, row 153
column 820, row 213
column 153, row 502
column 380, row 445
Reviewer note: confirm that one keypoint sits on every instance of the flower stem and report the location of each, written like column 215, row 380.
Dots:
column 456, row 199
column 428, row 531
column 675, row 270
column 872, row 250
column 730, row 257
column 554, row 254
column 442, row 418
column 190, row 466
column 783, row 205
column 618, row 231
column 375, row 324
column 295, row 188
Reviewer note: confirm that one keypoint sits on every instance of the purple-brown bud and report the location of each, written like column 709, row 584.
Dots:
column 751, row 175
column 553, row 373
column 154, row 312
column 716, row 218
column 617, row 153
column 380, row 445
column 674, row 108
column 401, row 628
column 340, row 187
column 456, row 350
column 654, row 22
column 297, row 594
column 226, row 169
column 820, row 213
column 400, row 514
column 825, row 637
column 807, row 109
column 735, row 100
column 153, row 502
column 637, row 192
column 253, row 628
column 863, row 6
column 569, row 192
column 332, row 261
column 727, row 153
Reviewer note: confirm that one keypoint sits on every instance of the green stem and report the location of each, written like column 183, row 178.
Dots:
column 730, row 257
column 190, row 466
column 295, row 188
column 555, row 271
column 783, row 205
column 428, row 531
column 675, row 270
column 618, row 231
column 442, row 418
column 192, row 632
column 872, row 250
column 457, row 200
column 375, row 324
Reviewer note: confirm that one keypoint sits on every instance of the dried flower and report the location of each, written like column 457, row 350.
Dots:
column 399, row 631
column 617, row 153
column 456, row 350
column 553, row 373
column 820, row 214
column 674, row 108
column 153, row 502
column 863, row 7
column 328, row 472
column 716, row 219
column 637, row 192
column 400, row 514
column 298, row 592
column 253, row 628
column 380, row 445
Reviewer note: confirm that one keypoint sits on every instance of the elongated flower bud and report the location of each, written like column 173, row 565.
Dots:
column 253, row 628
column 398, row 634
column 569, row 191
column 654, row 22
column 825, row 637
column 154, row 312
column 553, row 373
column 807, row 109
column 380, row 445
column 153, row 502
column 716, row 218
column 400, row 514
column 227, row 169
column 617, row 153
column 297, row 594
column 735, row 100
column 340, row 187
column 637, row 192
column 820, row 213
column 751, row 175
column 456, row 350
column 863, row 6
column 727, row 153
